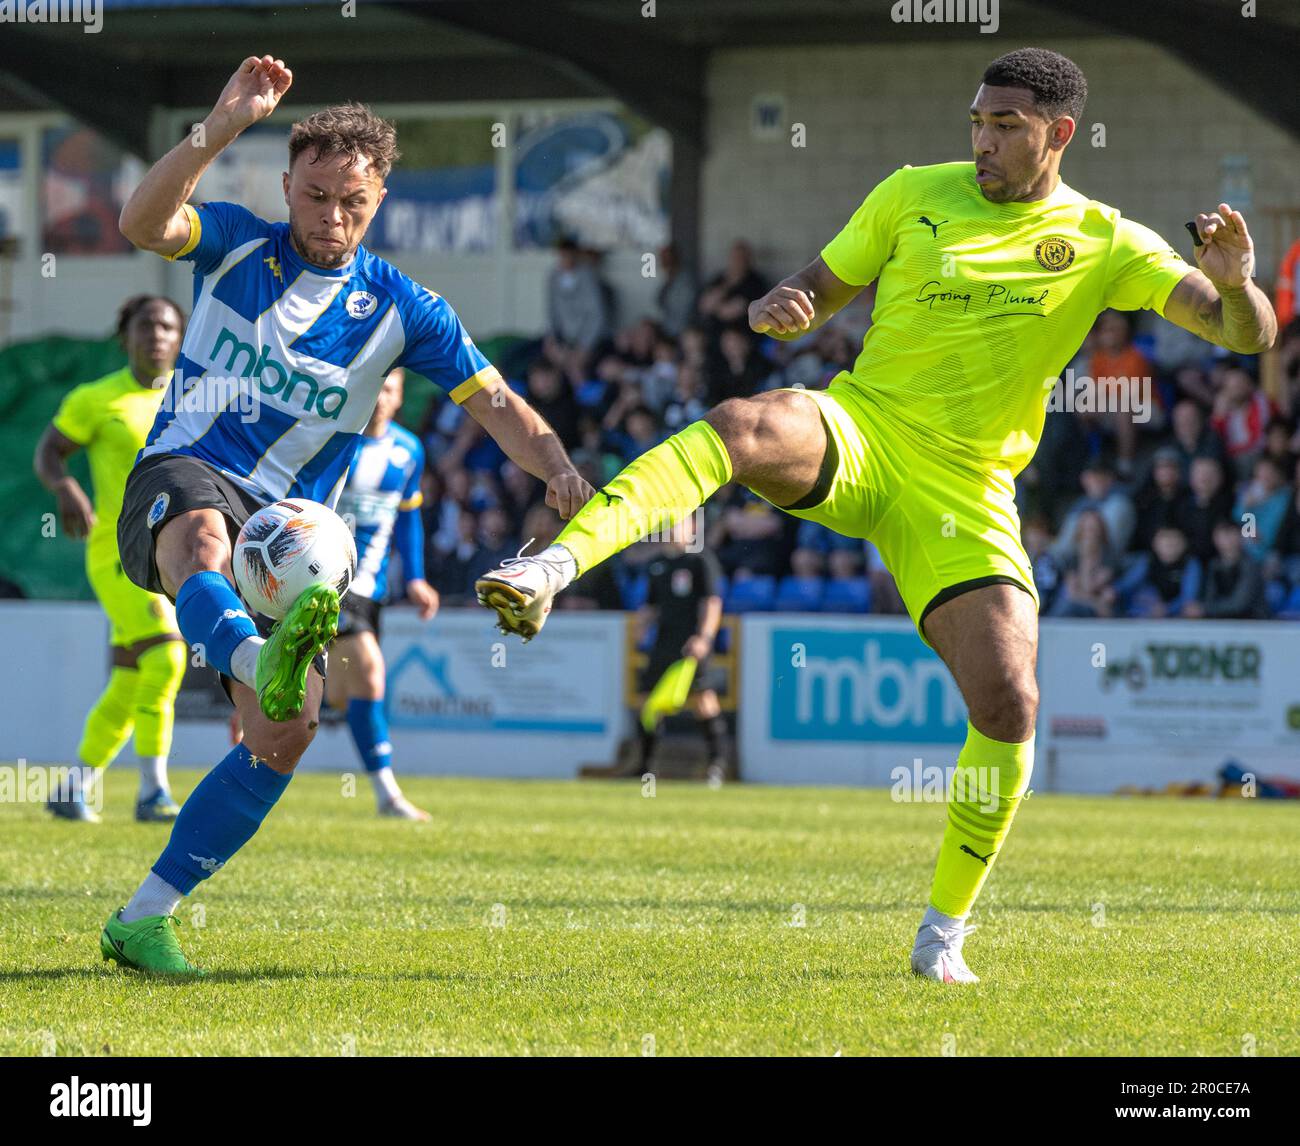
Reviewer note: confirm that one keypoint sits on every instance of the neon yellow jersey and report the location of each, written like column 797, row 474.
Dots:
column 981, row 305
column 111, row 418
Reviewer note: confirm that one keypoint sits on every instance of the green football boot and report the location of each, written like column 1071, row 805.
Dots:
column 148, row 944
column 283, row 661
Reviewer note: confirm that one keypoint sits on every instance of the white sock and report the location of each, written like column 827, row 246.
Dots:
column 933, row 918
column 243, row 661
column 155, row 897
column 153, row 775
column 385, row 783
column 568, row 567
column 82, row 779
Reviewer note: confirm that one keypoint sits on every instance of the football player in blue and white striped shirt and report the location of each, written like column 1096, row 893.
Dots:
column 294, row 329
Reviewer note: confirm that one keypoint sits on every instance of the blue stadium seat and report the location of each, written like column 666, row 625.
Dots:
column 847, row 596
column 1275, row 595
column 753, row 595
column 634, row 589
column 1290, row 609
column 800, row 594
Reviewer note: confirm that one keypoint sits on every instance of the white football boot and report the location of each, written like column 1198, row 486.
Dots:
column 521, row 590
column 400, row 808
column 937, row 954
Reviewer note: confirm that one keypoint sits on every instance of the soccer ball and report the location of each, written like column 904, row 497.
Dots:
column 287, row 547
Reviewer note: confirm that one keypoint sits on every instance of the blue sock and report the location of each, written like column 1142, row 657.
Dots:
column 221, row 815
column 370, row 732
column 212, row 618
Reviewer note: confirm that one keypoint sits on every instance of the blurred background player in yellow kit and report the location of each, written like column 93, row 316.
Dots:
column 110, row 419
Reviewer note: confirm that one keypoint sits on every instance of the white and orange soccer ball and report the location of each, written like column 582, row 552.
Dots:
column 287, row 547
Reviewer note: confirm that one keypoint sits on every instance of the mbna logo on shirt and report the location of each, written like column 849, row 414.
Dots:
column 361, row 304
column 275, row 378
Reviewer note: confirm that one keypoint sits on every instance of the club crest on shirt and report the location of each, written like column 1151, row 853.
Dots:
column 1054, row 253
column 156, row 511
column 361, row 304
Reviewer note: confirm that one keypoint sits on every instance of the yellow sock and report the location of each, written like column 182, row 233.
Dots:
column 656, row 491
column 161, row 669
column 987, row 788
column 109, row 723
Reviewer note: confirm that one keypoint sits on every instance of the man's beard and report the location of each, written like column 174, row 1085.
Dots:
column 327, row 259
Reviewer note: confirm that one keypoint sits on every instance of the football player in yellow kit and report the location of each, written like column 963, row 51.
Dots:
column 110, row 419
column 989, row 274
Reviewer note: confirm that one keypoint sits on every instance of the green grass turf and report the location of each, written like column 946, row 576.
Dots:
column 627, row 917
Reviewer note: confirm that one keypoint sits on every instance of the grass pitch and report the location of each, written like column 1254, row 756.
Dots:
column 584, row 918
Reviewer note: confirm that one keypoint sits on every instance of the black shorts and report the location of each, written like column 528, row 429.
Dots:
column 358, row 614
column 157, row 490
column 165, row 485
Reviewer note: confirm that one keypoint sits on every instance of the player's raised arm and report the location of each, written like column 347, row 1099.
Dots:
column 531, row 444
column 154, row 218
column 803, row 302
column 1220, row 302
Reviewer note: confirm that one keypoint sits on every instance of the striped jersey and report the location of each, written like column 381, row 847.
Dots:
column 282, row 361
column 381, row 503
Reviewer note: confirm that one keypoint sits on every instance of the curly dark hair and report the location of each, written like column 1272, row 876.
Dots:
column 1056, row 81
column 136, row 303
column 350, row 129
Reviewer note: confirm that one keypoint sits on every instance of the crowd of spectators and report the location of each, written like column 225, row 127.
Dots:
column 1183, row 501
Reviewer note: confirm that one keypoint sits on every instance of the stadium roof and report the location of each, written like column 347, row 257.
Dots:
column 178, row 53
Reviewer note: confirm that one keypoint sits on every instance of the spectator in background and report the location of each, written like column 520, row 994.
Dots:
column 725, row 299
column 496, row 542
column 1284, row 562
column 1052, row 479
column 552, row 397
column 1160, row 501
column 1210, row 503
column 1193, row 437
column 520, row 492
column 1288, row 348
column 578, row 312
column 687, row 403
column 821, row 552
column 638, row 433
column 1279, row 444
column 1088, row 589
column 1192, row 384
column 1037, row 536
column 750, row 536
column 1265, row 500
column 1164, row 581
column 885, row 597
column 1241, row 417
column 738, row 370
column 676, row 298
column 1120, row 369
column 1234, row 580
column 1102, row 495
column 451, row 569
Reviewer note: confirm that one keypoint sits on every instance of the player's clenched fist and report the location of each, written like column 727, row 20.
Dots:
column 567, row 493
column 783, row 310
column 252, row 93
column 1227, row 256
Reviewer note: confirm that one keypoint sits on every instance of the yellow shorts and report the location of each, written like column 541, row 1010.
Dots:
column 942, row 527
column 133, row 613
